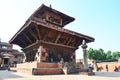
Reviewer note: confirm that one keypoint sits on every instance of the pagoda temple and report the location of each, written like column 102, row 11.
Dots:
column 45, row 41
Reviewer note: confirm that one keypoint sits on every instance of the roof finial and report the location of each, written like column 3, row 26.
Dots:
column 50, row 6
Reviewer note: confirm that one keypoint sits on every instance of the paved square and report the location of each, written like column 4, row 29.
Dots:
column 9, row 75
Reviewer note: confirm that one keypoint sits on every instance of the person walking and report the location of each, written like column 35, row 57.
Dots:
column 107, row 67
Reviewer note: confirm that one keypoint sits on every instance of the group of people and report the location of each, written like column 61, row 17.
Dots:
column 116, row 69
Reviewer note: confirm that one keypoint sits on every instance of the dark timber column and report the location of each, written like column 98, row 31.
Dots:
column 29, row 56
column 26, row 56
column 84, row 46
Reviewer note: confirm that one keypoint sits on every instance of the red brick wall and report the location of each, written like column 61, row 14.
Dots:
column 47, row 65
column 47, row 71
column 111, row 65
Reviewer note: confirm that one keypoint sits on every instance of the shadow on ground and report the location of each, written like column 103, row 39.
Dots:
column 107, row 74
column 5, row 74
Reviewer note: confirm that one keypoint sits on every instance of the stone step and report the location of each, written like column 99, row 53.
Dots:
column 27, row 65
column 3, row 68
column 47, row 71
column 49, row 65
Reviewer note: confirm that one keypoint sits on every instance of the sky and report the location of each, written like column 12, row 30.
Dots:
column 96, row 18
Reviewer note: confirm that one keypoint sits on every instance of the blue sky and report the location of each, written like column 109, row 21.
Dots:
column 97, row 18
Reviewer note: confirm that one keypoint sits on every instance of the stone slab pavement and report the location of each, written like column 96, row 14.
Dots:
column 10, row 75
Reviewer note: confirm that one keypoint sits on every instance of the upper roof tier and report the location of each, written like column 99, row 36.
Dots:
column 65, row 19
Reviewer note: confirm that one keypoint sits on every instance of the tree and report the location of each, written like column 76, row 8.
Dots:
column 90, row 53
column 116, row 55
column 108, row 55
column 100, row 55
column 103, row 55
column 96, row 55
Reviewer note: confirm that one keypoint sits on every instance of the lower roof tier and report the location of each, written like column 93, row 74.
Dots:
column 34, row 31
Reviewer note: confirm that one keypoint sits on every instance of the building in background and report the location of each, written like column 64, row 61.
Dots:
column 9, row 56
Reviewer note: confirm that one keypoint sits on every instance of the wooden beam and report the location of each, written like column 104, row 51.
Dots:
column 56, row 44
column 79, row 42
column 27, row 37
column 46, row 34
column 90, row 39
column 38, row 32
column 32, row 33
column 20, row 31
column 23, row 42
column 49, row 43
column 32, row 45
column 69, row 40
column 58, row 37
column 66, row 39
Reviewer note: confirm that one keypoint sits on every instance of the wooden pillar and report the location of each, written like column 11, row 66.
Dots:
column 32, row 53
column 26, row 57
column 29, row 57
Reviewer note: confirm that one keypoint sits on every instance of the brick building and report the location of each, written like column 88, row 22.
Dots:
column 8, row 55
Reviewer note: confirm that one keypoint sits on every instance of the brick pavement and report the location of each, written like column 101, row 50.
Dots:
column 8, row 75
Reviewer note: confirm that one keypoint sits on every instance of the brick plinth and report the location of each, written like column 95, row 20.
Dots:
column 47, row 65
column 40, row 68
column 46, row 71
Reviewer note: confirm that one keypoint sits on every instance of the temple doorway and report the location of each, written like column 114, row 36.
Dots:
column 6, row 60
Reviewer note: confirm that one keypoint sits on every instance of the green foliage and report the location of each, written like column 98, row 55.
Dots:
column 116, row 55
column 110, row 60
column 108, row 55
column 100, row 56
column 90, row 53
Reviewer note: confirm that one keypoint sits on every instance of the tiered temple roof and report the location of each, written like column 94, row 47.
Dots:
column 39, row 29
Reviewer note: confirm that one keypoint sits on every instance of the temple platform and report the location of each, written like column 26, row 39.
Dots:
column 25, row 67
column 48, row 69
column 35, row 68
